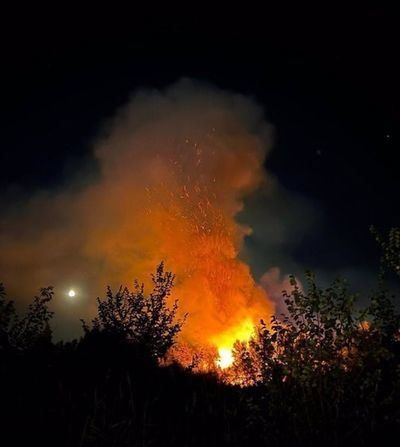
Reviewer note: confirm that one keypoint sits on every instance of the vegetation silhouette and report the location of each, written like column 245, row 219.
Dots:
column 146, row 321
column 326, row 371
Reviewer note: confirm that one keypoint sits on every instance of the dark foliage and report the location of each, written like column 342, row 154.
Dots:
column 390, row 245
column 30, row 330
column 326, row 372
column 139, row 319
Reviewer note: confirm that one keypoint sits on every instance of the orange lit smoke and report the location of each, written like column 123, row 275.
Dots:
column 175, row 167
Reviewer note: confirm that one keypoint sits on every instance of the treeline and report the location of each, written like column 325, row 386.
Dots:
column 327, row 371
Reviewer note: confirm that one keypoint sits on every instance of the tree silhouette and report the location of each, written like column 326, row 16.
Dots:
column 390, row 246
column 141, row 319
column 327, row 360
column 25, row 332
column 7, row 318
column 327, row 371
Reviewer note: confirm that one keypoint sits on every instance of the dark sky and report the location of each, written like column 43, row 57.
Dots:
column 329, row 82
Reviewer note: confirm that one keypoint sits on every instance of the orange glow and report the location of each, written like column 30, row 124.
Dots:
column 174, row 169
column 201, row 241
column 365, row 325
column 226, row 340
column 225, row 358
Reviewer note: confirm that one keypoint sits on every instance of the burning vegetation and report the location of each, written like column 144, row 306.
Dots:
column 325, row 371
column 174, row 168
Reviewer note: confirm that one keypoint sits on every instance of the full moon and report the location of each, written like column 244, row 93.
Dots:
column 71, row 293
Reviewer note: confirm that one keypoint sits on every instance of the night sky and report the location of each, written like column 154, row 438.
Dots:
column 328, row 83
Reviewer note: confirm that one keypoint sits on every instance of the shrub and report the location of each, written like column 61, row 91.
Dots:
column 25, row 332
column 134, row 317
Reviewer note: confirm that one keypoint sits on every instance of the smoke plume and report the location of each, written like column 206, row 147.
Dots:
column 174, row 169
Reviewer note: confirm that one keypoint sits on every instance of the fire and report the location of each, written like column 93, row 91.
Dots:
column 226, row 340
column 182, row 209
column 174, row 170
column 201, row 241
column 225, row 358
column 364, row 325
column 215, row 354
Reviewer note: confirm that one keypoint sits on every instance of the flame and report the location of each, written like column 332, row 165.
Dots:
column 225, row 358
column 174, row 169
column 198, row 156
column 365, row 325
column 201, row 241
column 226, row 340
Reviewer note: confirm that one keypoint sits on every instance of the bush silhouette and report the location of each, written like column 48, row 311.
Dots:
column 143, row 320
column 327, row 371
column 326, row 362
column 25, row 332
